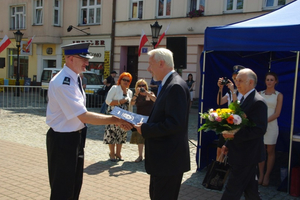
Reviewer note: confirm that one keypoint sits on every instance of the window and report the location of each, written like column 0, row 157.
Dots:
column 18, row 17
column 38, row 7
column 56, row 12
column 90, row 11
column 234, row 5
column 136, row 9
column 197, row 5
column 273, row 3
column 164, row 8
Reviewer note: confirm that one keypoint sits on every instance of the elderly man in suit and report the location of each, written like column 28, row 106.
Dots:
column 245, row 150
column 166, row 131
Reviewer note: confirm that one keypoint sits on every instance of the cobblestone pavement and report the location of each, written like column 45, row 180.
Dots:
column 23, row 135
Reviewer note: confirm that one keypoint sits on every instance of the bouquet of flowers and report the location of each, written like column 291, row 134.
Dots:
column 225, row 120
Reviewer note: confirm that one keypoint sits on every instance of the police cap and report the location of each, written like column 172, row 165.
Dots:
column 80, row 49
column 237, row 68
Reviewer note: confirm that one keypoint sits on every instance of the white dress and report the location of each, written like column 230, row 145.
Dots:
column 272, row 130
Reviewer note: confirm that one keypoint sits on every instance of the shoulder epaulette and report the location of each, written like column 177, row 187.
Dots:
column 66, row 81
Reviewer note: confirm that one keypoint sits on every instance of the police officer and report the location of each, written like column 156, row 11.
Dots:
column 67, row 116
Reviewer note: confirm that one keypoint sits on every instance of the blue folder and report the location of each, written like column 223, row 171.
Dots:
column 130, row 117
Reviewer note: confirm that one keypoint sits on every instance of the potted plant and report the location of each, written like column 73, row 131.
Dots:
column 195, row 13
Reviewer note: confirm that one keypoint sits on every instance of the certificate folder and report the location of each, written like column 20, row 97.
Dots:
column 130, row 117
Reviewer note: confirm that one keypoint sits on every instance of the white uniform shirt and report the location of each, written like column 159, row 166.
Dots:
column 66, row 102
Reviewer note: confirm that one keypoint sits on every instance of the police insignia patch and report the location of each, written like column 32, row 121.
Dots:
column 66, row 81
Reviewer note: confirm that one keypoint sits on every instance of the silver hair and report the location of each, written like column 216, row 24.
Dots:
column 250, row 74
column 163, row 54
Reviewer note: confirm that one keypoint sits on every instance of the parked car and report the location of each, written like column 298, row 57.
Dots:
column 93, row 99
column 94, row 84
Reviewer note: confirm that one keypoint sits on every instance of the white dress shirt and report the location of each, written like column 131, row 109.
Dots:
column 66, row 102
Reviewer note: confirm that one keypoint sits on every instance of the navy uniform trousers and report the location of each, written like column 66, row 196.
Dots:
column 65, row 163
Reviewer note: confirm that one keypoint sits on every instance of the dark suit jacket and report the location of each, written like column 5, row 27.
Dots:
column 166, row 131
column 247, row 147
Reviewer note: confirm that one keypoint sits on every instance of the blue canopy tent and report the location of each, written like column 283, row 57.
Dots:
column 266, row 43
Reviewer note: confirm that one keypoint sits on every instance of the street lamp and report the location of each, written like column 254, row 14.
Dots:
column 155, row 29
column 18, row 37
column 82, row 30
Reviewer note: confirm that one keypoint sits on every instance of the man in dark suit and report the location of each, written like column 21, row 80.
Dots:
column 166, row 131
column 246, row 149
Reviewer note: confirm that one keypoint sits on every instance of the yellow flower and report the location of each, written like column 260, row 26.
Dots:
column 223, row 111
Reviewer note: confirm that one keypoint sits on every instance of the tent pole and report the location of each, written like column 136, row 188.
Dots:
column 201, row 108
column 270, row 62
column 292, row 121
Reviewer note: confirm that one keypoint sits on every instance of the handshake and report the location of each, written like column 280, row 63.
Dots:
column 123, row 124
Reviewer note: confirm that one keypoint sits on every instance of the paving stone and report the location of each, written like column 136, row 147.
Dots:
column 24, row 175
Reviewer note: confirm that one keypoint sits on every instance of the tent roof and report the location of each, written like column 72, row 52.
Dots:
column 275, row 31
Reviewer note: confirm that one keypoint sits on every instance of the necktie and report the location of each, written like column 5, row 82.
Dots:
column 79, row 85
column 159, row 89
column 242, row 100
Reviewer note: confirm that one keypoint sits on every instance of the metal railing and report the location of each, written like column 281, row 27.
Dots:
column 34, row 97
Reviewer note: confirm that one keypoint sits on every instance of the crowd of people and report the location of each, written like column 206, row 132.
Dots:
column 167, row 102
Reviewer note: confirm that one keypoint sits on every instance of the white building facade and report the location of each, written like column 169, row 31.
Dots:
column 114, row 29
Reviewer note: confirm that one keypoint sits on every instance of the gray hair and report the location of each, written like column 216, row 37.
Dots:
column 250, row 74
column 163, row 54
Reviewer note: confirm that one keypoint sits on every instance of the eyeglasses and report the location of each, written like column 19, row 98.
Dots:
column 141, row 85
column 126, row 80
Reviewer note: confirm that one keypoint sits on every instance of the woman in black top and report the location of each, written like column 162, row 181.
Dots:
column 144, row 100
column 191, row 84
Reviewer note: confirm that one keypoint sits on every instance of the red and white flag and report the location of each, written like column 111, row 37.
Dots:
column 4, row 43
column 143, row 41
column 162, row 36
column 29, row 42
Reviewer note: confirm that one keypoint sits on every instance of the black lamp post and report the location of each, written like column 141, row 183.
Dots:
column 155, row 29
column 18, row 37
column 82, row 30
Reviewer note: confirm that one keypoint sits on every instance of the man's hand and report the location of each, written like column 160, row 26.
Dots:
column 124, row 125
column 138, row 128
column 230, row 136
column 224, row 150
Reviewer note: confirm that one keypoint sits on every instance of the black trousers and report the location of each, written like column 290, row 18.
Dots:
column 65, row 163
column 242, row 179
column 165, row 187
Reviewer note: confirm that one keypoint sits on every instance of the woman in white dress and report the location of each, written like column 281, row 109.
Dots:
column 274, row 102
column 119, row 95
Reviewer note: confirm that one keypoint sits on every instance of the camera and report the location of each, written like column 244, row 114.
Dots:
column 225, row 81
column 142, row 90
